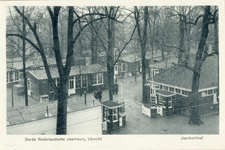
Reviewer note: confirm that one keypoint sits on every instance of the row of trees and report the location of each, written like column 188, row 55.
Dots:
column 152, row 28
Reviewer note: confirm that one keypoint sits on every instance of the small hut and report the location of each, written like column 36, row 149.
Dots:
column 113, row 115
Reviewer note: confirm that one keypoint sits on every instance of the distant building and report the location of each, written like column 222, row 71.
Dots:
column 82, row 78
column 160, row 66
column 130, row 63
column 173, row 87
column 15, row 67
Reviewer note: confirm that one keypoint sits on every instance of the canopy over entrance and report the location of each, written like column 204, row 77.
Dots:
column 165, row 93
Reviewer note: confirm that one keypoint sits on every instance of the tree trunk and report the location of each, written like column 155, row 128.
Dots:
column 162, row 51
column 216, row 49
column 63, row 73
column 199, row 59
column 110, row 59
column 93, row 46
column 144, row 94
column 142, row 40
column 182, row 25
column 24, row 62
column 110, row 73
column 195, row 116
column 62, row 109
column 93, row 42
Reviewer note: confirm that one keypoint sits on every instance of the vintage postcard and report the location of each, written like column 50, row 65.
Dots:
column 112, row 75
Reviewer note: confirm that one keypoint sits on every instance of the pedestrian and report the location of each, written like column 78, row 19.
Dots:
column 100, row 94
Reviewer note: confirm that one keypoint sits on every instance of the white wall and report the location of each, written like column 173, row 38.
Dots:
column 88, row 121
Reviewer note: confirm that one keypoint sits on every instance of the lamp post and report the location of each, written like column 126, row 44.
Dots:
column 85, row 97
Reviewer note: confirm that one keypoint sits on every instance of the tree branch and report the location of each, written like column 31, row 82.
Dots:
column 99, row 38
column 196, row 20
column 29, row 41
column 85, row 27
column 125, row 46
column 14, row 21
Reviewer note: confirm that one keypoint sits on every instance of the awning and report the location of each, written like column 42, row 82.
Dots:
column 165, row 93
column 111, row 104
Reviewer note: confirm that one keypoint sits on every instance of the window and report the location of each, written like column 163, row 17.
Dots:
column 140, row 66
column 84, row 80
column 164, row 103
column 155, row 72
column 100, row 80
column 115, row 116
column 161, row 87
column 94, row 79
column 215, row 98
column 29, row 90
column 78, row 81
column 161, row 102
column 156, row 86
column 81, row 81
column 123, row 67
column 28, row 84
column 116, row 69
column 170, row 103
column 57, row 82
column 11, row 76
column 71, row 82
column 8, row 77
column 166, row 88
column 178, row 91
column 21, row 75
column 97, row 78
column 210, row 92
column 17, row 76
column 184, row 92
column 152, row 91
column 171, row 89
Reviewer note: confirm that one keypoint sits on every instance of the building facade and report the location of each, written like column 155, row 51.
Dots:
column 173, row 87
column 82, row 79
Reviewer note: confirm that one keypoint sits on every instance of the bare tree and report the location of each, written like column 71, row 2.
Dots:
column 18, row 48
column 108, row 42
column 201, row 55
column 62, row 70
column 142, row 34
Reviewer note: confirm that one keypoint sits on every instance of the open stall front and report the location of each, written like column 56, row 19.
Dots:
column 165, row 102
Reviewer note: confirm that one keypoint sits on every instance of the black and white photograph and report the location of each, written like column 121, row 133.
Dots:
column 112, row 71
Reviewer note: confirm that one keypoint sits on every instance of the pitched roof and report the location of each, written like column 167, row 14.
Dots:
column 75, row 70
column 182, row 77
column 111, row 104
column 131, row 58
column 164, row 64
column 32, row 63
column 20, row 115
